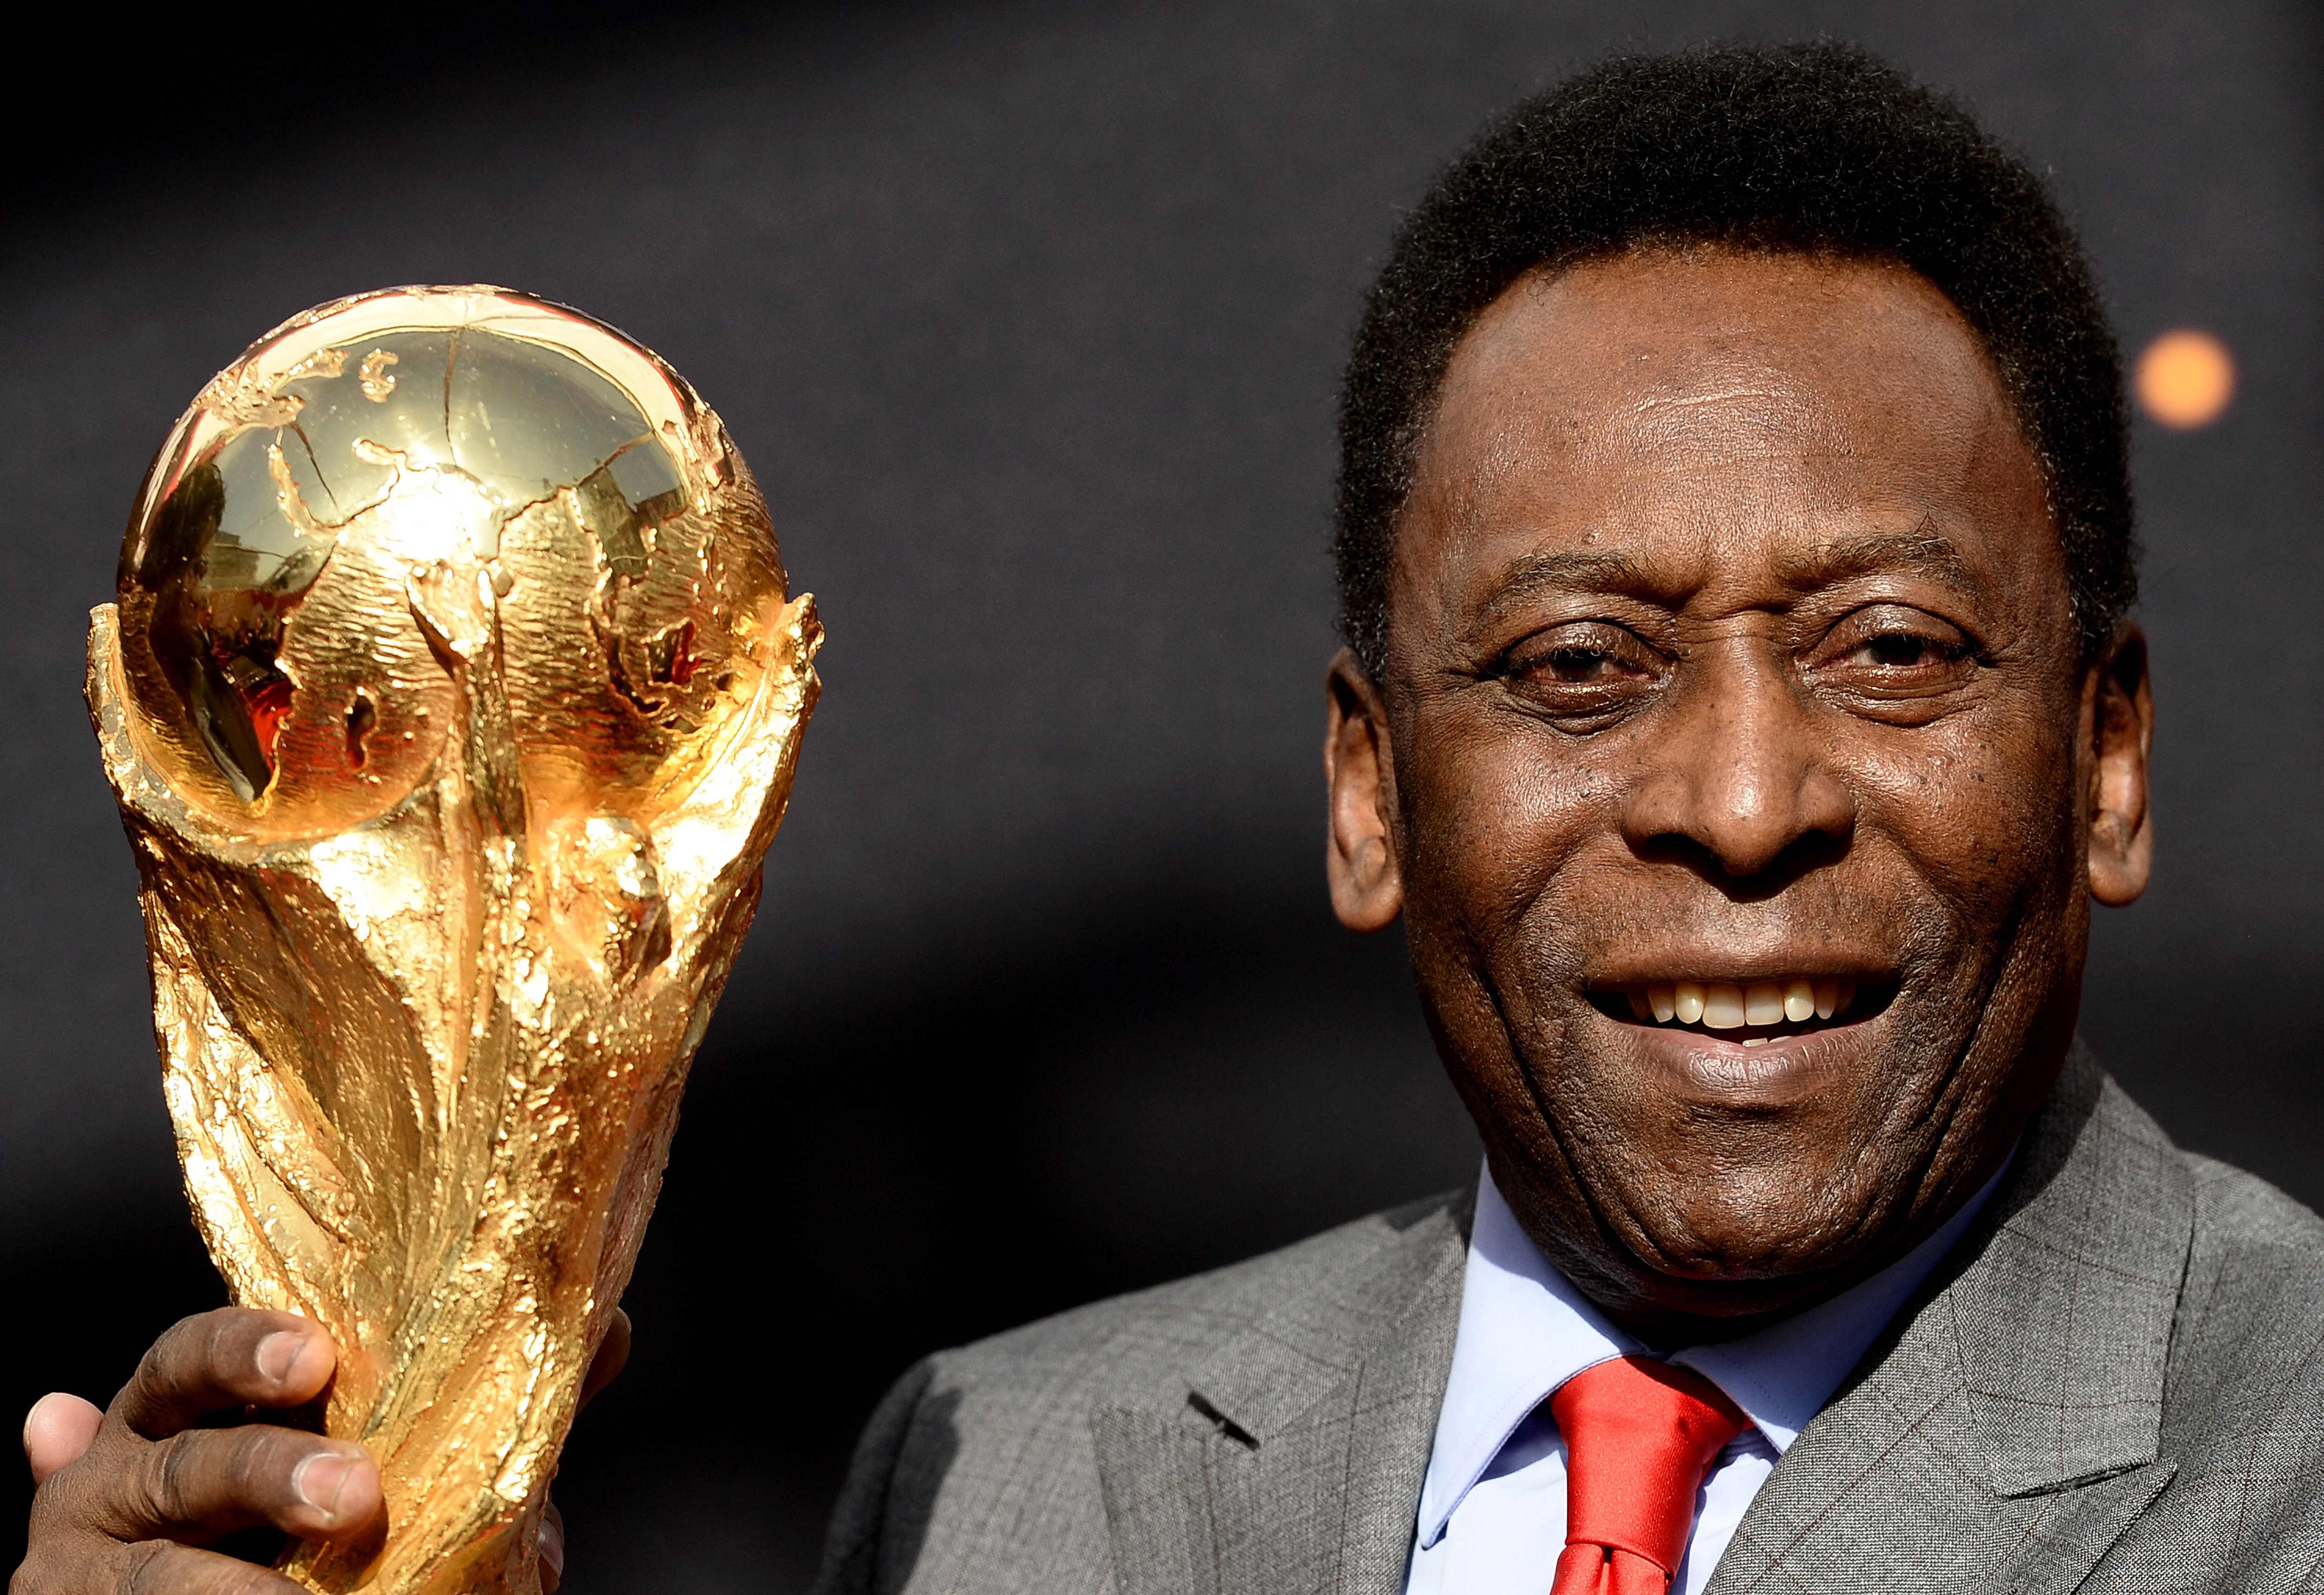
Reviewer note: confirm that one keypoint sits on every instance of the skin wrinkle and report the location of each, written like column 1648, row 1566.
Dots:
column 1646, row 407
column 1836, row 733
column 141, row 1559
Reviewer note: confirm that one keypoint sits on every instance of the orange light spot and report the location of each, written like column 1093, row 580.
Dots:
column 2185, row 379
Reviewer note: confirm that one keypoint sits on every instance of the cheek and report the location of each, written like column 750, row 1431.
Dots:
column 1492, row 817
column 1983, row 804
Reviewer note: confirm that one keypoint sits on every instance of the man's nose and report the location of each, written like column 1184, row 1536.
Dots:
column 1737, row 772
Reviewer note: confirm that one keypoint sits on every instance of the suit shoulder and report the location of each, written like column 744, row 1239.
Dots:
column 2241, row 1216
column 1315, row 1292
column 2244, row 1382
column 2257, row 1258
column 2243, row 1343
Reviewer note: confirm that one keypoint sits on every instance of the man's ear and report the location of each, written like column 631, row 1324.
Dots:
column 2121, row 709
column 1360, row 774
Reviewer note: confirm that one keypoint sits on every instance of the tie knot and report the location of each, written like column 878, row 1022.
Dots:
column 1639, row 1435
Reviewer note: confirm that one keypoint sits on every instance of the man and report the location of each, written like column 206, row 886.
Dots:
column 1739, row 712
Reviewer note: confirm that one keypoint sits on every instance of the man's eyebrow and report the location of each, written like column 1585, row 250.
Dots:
column 1567, row 572
column 1924, row 550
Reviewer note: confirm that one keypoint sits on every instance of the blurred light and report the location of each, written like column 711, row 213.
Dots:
column 2185, row 378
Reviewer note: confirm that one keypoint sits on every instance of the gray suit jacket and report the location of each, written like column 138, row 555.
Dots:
column 2115, row 1384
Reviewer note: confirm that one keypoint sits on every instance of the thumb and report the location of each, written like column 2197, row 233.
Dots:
column 57, row 1431
column 613, row 1356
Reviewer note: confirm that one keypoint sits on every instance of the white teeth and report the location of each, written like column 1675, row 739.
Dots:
column 1730, row 1005
column 1686, row 1002
column 1722, row 1006
column 1798, row 1001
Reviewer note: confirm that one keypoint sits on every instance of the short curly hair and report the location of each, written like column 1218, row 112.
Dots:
column 1815, row 148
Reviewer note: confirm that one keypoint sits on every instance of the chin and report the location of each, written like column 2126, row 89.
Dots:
column 1722, row 1227
column 1744, row 1174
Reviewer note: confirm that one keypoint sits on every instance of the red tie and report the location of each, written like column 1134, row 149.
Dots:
column 1639, row 1435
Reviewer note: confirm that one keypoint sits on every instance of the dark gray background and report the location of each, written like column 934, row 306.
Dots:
column 1029, row 317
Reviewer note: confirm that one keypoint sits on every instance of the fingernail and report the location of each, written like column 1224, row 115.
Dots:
column 279, row 1352
column 552, row 1547
column 321, row 1479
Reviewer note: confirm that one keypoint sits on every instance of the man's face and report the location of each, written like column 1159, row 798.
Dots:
column 1730, row 661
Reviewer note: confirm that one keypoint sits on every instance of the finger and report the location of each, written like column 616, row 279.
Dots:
column 159, row 1567
column 208, row 1482
column 214, row 1362
column 613, row 1356
column 552, row 1548
column 57, row 1431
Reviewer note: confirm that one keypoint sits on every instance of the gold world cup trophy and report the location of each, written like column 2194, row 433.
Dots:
column 451, row 702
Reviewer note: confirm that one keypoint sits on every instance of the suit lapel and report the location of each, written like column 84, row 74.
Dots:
column 1294, row 1463
column 2006, row 1430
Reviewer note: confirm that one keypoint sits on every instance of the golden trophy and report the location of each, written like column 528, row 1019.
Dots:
column 451, row 701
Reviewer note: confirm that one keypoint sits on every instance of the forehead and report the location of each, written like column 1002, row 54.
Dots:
column 1719, row 414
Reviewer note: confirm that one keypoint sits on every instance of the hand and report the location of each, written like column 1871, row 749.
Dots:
column 128, row 1498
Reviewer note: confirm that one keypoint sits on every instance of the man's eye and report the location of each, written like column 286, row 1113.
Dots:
column 1586, row 670
column 1579, row 667
column 1893, row 651
column 1903, row 651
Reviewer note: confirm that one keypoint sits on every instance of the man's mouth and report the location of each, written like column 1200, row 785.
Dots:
column 1752, row 1012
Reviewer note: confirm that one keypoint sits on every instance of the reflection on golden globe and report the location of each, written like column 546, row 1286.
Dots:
column 451, row 702
column 357, row 472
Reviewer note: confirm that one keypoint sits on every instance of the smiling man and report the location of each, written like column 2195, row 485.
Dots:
column 1741, row 715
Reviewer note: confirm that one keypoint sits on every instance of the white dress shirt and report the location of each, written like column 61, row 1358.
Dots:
column 1492, row 1510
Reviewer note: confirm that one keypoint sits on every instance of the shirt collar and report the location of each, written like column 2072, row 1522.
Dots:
column 1524, row 1331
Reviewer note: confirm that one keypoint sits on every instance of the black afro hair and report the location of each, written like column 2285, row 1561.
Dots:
column 1817, row 148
